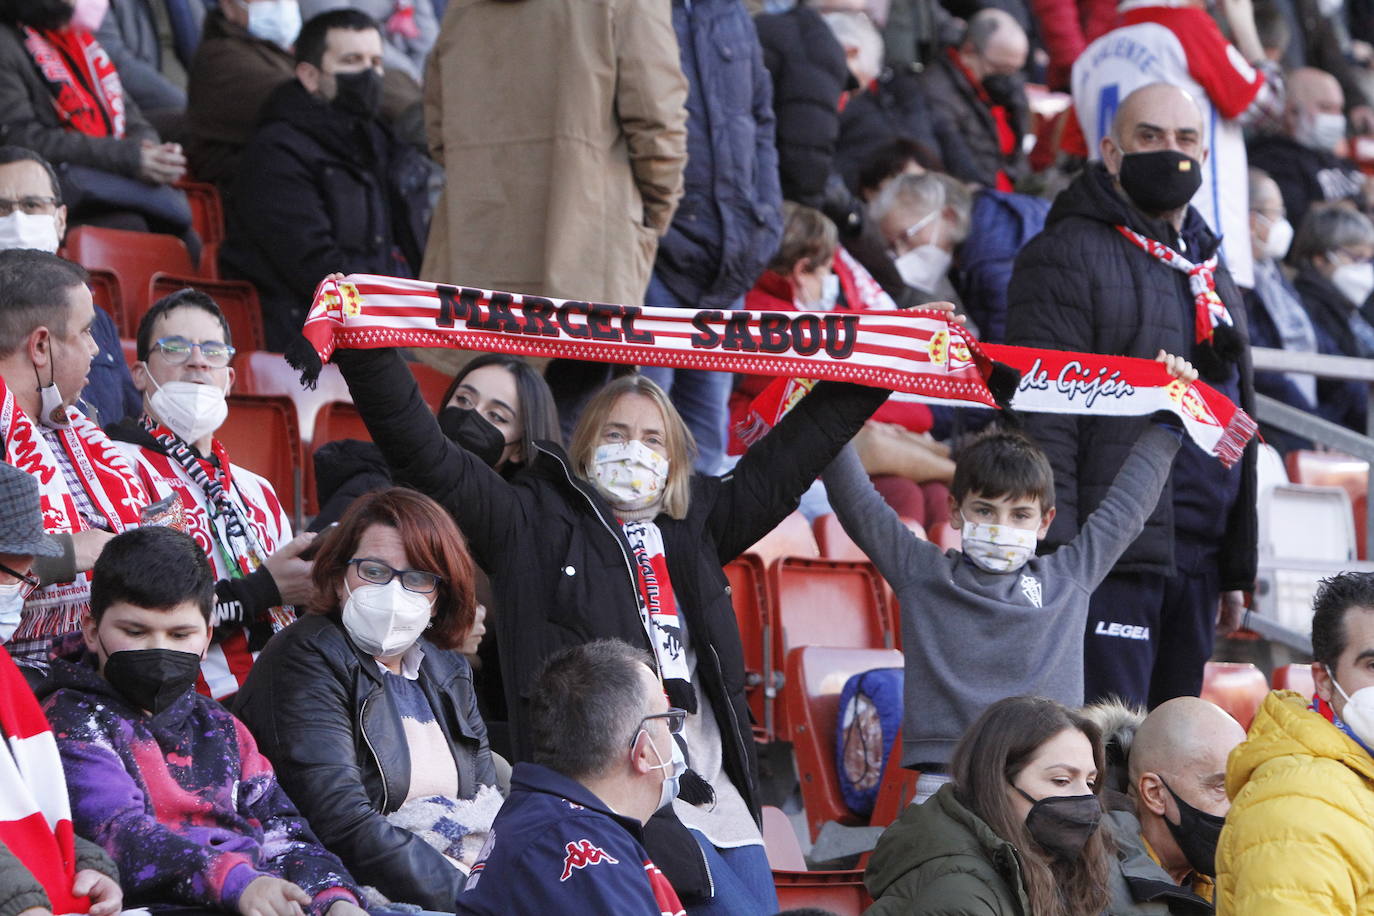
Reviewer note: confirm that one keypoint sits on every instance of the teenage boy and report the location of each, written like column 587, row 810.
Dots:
column 993, row 620
column 166, row 780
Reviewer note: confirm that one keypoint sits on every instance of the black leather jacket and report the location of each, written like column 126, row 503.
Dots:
column 318, row 708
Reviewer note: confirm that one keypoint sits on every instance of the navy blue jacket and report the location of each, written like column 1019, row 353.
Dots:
column 1000, row 225
column 730, row 220
column 109, row 390
column 557, row 848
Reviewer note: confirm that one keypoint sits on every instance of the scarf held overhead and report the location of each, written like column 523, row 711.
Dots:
column 919, row 353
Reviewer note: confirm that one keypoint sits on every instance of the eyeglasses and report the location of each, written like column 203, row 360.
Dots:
column 412, row 580
column 910, row 232
column 177, row 350
column 27, row 582
column 33, row 206
column 673, row 718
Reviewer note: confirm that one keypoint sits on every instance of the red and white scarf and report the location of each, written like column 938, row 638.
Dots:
column 918, row 352
column 1208, row 310
column 86, row 91
column 265, row 527
column 35, row 816
column 110, row 482
column 659, row 605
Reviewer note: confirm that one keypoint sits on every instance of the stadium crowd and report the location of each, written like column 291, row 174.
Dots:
column 502, row 668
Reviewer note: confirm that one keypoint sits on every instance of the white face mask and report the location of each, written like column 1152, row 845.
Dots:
column 11, row 608
column 998, row 548
column 189, row 409
column 1358, row 712
column 676, row 765
column 385, row 620
column 1280, row 237
column 277, row 21
column 52, row 413
column 28, row 230
column 630, row 474
column 830, row 294
column 924, row 266
column 1355, row 281
column 1322, row 130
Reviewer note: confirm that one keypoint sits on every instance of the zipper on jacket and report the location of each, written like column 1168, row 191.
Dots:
column 629, row 561
column 362, row 712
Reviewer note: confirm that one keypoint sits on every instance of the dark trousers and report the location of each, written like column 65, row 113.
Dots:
column 1149, row 637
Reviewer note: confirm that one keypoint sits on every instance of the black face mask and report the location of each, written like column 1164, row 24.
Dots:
column 1063, row 824
column 1196, row 834
column 1160, row 181
column 1002, row 88
column 152, row 679
column 359, row 93
column 468, row 429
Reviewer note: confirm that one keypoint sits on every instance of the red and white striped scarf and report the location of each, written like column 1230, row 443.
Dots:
column 659, row 605
column 920, row 353
column 35, row 816
column 86, row 90
column 110, row 482
column 1208, row 310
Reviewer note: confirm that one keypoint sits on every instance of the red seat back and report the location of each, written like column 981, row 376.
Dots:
column 338, row 420
column 791, row 538
column 815, row 677
column 834, row 542
column 839, row 892
column 896, row 790
column 105, row 293
column 259, row 372
column 236, row 298
column 749, row 595
column 1295, row 677
column 133, row 257
column 432, row 382
column 829, row 603
column 261, row 434
column 207, row 210
column 1237, row 687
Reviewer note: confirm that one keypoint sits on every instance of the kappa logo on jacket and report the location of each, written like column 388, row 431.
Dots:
column 582, row 853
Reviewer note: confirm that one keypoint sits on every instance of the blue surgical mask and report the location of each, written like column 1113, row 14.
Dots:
column 676, row 766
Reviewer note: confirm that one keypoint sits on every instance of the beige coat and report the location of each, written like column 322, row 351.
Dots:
column 561, row 125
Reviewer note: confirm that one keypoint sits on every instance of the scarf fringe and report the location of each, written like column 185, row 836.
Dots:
column 1239, row 431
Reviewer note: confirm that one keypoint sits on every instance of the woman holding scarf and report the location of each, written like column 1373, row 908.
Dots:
column 618, row 537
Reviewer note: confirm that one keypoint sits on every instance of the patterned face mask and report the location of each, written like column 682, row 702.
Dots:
column 629, row 474
column 998, row 548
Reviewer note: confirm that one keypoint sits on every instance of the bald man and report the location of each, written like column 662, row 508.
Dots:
column 1178, row 42
column 978, row 102
column 1094, row 282
column 1305, row 159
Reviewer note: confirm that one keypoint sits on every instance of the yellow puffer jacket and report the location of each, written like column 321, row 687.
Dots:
column 1300, row 835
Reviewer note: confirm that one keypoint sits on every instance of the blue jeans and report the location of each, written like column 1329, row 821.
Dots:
column 701, row 396
column 743, row 880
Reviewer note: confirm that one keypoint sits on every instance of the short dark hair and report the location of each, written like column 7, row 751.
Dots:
column 182, row 298
column 43, row 15
column 314, row 35
column 890, row 160
column 154, row 568
column 1335, row 596
column 33, row 286
column 538, row 414
column 10, row 153
column 1004, row 463
column 587, row 701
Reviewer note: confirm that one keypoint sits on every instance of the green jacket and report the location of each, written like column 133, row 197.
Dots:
column 939, row 858
column 19, row 890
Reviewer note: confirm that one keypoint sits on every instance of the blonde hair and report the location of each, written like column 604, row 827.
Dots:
column 677, row 438
column 807, row 235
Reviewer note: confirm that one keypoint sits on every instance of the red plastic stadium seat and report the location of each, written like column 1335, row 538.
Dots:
column 130, row 348
column 133, row 257
column 260, row 372
column 792, row 538
column 1237, row 687
column 1295, row 677
column 753, row 614
column 834, row 542
column 780, row 841
column 433, row 383
column 261, row 434
column 815, row 677
column 896, row 790
column 338, row 420
column 207, row 210
column 839, row 892
column 105, row 293
column 236, row 298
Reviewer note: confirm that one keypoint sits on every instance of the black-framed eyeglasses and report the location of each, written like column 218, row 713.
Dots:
column 376, row 572
column 177, row 350
column 33, row 205
column 674, row 718
column 27, row 582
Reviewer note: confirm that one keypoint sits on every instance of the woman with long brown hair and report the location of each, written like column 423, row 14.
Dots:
column 1017, row 831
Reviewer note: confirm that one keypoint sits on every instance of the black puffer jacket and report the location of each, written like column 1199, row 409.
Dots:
column 321, row 191
column 1305, row 176
column 1329, row 309
column 1080, row 285
column 892, row 108
column 563, row 573
column 317, row 706
column 965, row 127
column 809, row 73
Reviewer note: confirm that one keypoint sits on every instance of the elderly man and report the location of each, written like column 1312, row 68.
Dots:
column 1178, row 42
column 1177, row 771
column 234, row 515
column 606, row 758
column 978, row 102
column 1111, row 274
column 1300, row 835
column 1303, row 158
